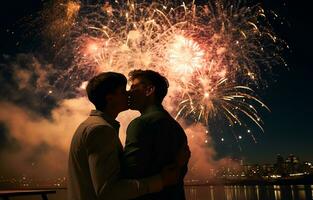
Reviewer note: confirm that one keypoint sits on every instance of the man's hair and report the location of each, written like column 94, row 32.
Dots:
column 154, row 78
column 103, row 84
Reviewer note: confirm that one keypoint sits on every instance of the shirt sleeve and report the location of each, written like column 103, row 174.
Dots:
column 104, row 164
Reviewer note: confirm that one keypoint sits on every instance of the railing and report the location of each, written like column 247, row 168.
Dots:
column 6, row 194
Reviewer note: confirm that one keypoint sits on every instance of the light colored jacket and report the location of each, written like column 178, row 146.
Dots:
column 94, row 163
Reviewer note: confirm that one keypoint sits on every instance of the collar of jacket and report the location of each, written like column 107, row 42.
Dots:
column 115, row 124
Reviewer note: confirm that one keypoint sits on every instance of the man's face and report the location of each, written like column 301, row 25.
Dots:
column 137, row 94
column 120, row 98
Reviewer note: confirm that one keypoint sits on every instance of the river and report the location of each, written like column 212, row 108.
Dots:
column 220, row 192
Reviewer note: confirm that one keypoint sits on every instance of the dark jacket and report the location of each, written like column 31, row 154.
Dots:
column 152, row 142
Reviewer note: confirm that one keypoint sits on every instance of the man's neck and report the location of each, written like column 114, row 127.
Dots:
column 110, row 112
column 146, row 108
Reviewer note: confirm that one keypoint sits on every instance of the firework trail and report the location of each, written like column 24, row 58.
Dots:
column 213, row 54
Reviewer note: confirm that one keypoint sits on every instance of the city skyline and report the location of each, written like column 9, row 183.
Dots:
column 290, row 169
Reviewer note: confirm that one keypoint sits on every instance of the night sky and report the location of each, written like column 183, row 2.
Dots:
column 288, row 128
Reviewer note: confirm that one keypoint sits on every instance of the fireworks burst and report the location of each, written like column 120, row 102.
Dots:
column 212, row 54
column 184, row 56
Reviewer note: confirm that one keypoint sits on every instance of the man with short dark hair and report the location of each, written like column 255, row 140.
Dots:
column 154, row 139
column 94, row 170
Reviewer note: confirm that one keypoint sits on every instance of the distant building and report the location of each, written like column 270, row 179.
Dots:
column 280, row 166
column 292, row 164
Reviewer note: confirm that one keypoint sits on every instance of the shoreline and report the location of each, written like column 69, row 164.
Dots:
column 306, row 180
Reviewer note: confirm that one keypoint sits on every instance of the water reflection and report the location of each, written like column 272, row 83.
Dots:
column 277, row 192
column 258, row 192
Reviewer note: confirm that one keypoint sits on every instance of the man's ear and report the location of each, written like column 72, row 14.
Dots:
column 150, row 90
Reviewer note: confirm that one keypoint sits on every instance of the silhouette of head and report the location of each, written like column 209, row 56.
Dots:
column 148, row 87
column 108, row 89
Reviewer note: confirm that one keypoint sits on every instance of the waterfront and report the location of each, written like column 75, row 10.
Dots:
column 230, row 192
column 264, row 192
